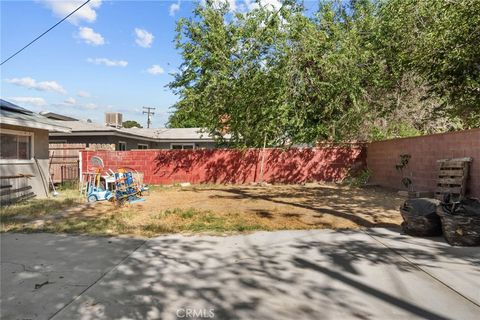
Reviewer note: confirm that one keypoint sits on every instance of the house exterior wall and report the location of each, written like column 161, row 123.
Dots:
column 132, row 143
column 382, row 156
column 198, row 145
column 40, row 151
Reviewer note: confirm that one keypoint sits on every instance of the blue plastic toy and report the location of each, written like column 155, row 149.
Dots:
column 126, row 189
column 97, row 194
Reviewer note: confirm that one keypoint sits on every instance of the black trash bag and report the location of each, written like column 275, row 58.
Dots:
column 420, row 217
column 461, row 222
column 466, row 207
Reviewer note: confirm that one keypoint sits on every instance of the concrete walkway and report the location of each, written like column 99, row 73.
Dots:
column 318, row 274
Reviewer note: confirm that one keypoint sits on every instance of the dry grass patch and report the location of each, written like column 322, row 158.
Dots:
column 213, row 209
column 14, row 216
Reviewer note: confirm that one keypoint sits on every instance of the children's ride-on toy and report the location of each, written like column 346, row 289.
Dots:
column 94, row 190
column 97, row 194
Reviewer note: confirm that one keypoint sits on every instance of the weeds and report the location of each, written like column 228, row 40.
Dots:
column 41, row 207
column 360, row 179
column 217, row 210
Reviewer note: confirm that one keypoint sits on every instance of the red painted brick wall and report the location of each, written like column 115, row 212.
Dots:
column 425, row 150
column 234, row 166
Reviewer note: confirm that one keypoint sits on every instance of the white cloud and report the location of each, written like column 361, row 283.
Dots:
column 64, row 7
column 108, row 62
column 90, row 106
column 231, row 3
column 31, row 83
column 155, row 70
column 144, row 38
column 174, row 7
column 271, row 5
column 83, row 94
column 89, row 36
column 29, row 101
column 247, row 5
column 70, row 101
column 217, row 4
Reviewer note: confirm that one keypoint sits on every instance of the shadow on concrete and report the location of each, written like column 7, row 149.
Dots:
column 40, row 273
column 281, row 275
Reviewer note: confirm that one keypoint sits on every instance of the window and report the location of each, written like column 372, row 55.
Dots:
column 142, row 146
column 182, row 146
column 16, row 145
column 122, row 146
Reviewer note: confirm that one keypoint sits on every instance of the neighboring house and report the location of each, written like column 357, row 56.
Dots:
column 24, row 158
column 130, row 138
column 176, row 138
column 56, row 116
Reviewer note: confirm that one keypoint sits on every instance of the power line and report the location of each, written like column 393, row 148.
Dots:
column 148, row 112
column 56, row 24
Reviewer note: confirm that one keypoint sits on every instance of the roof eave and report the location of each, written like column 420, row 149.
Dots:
column 126, row 135
column 106, row 133
column 34, row 124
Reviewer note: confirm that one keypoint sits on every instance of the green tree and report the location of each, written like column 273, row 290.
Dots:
column 185, row 117
column 232, row 74
column 358, row 69
column 131, row 124
column 440, row 41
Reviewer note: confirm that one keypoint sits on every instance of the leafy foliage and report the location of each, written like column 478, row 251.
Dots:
column 131, row 124
column 357, row 69
column 401, row 166
column 441, row 41
column 360, row 179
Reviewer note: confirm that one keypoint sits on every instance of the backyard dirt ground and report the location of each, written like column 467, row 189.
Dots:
column 221, row 209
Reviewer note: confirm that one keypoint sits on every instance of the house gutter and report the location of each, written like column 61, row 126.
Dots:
column 34, row 124
column 123, row 135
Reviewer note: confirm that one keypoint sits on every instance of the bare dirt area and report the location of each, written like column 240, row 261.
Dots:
column 222, row 209
column 287, row 206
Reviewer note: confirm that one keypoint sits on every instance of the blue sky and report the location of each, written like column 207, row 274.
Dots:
column 111, row 56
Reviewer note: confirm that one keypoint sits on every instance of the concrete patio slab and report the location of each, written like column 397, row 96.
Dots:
column 41, row 273
column 457, row 267
column 317, row 274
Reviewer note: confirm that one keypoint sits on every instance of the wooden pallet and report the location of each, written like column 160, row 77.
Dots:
column 9, row 190
column 20, row 198
column 452, row 178
column 13, row 189
column 18, row 176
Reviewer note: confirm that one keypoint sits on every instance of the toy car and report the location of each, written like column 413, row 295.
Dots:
column 98, row 194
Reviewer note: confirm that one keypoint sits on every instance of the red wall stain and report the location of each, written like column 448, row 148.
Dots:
column 234, row 166
column 425, row 151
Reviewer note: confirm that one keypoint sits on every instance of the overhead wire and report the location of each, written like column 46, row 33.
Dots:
column 44, row 33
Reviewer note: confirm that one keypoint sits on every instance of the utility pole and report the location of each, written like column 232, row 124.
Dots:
column 148, row 111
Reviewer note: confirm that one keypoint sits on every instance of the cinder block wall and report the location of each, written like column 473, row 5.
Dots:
column 234, row 166
column 425, row 150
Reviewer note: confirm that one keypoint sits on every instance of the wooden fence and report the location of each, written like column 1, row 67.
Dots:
column 65, row 161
